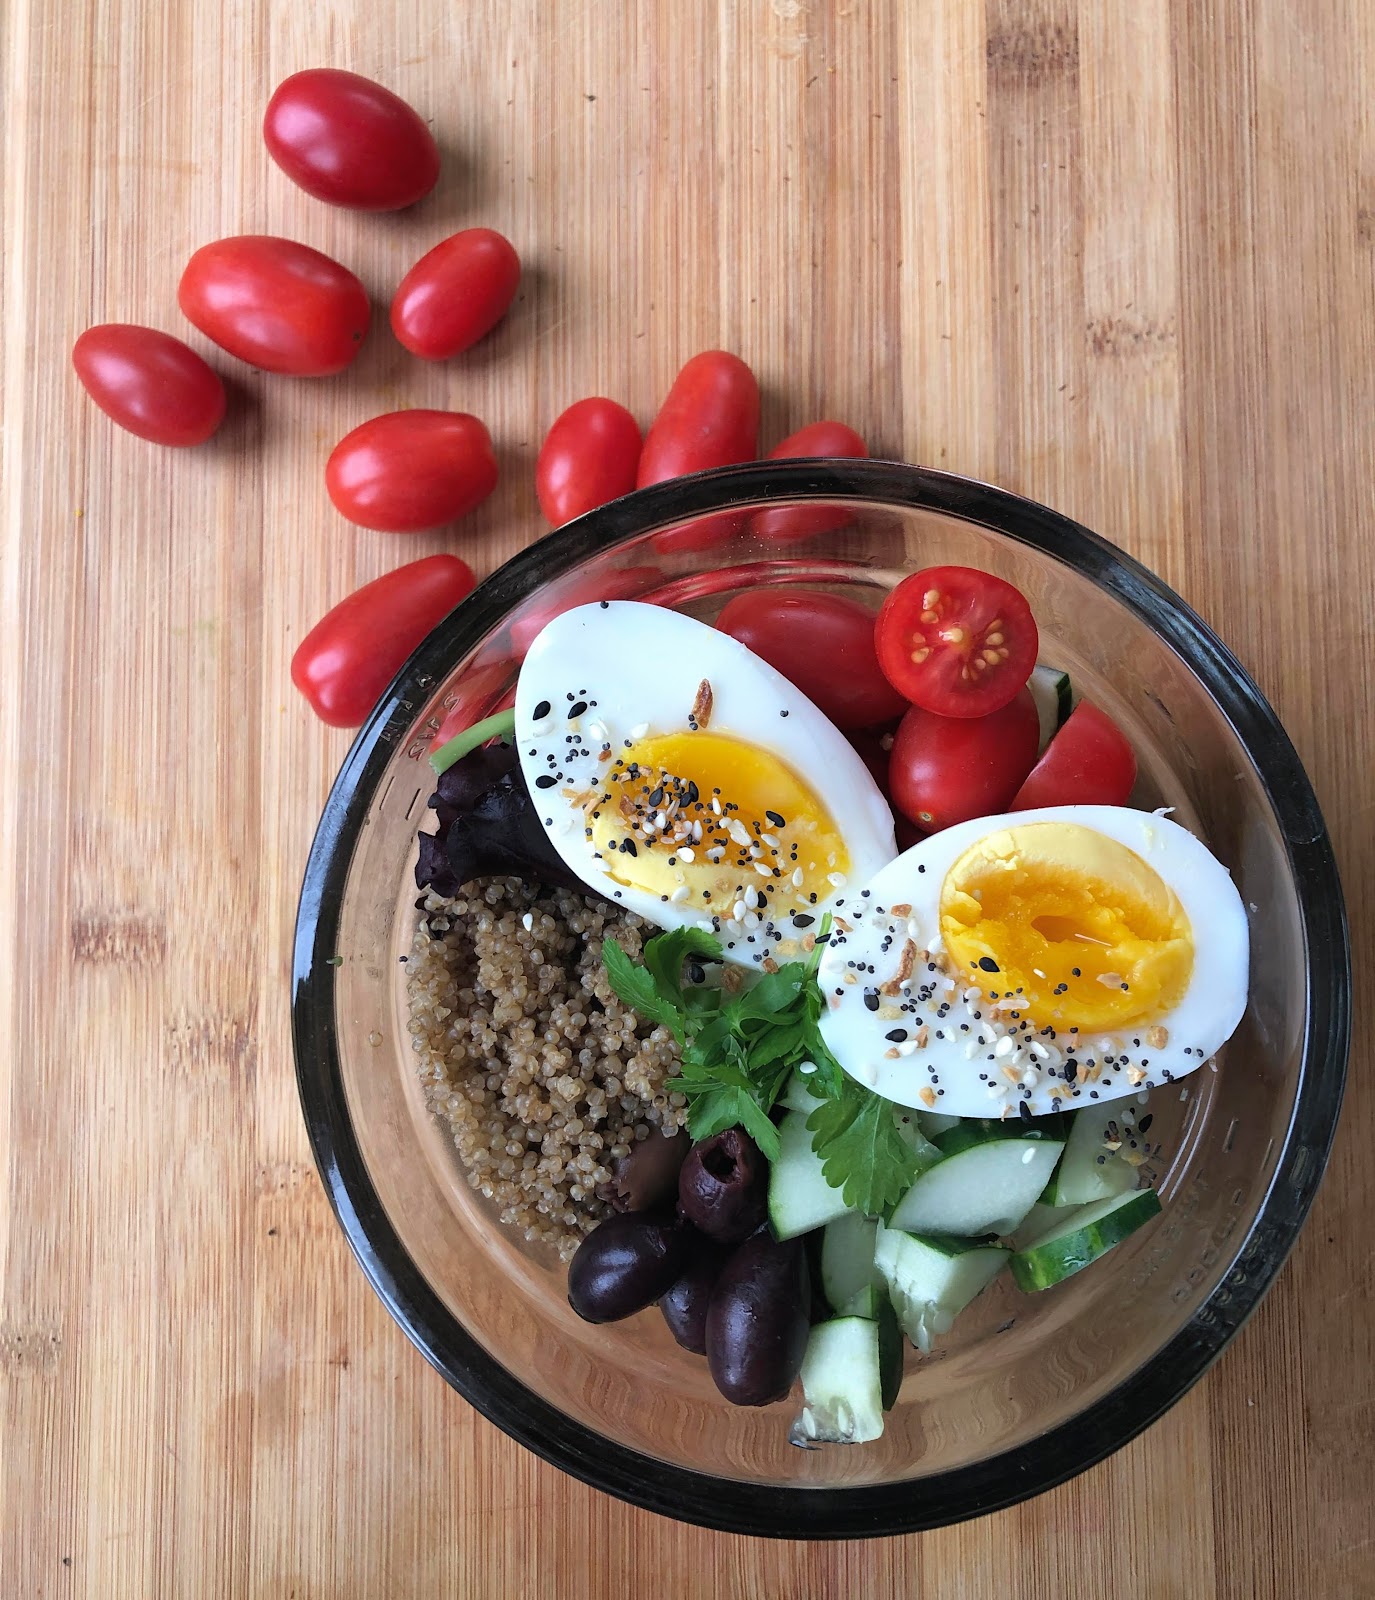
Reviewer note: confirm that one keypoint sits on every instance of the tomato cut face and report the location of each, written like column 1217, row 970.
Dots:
column 956, row 641
column 1090, row 762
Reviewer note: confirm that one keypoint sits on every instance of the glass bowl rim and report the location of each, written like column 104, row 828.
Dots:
column 873, row 1510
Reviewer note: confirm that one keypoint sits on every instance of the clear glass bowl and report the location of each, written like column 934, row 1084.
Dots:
column 1028, row 1389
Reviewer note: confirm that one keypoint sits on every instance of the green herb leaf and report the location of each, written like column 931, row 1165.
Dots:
column 665, row 955
column 636, row 986
column 863, row 1154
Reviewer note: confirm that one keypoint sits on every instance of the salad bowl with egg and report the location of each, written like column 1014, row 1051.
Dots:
column 1004, row 1098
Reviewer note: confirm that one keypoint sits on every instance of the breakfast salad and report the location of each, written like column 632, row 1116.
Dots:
column 804, row 973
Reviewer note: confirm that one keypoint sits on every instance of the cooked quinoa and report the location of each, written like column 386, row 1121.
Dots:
column 544, row 1076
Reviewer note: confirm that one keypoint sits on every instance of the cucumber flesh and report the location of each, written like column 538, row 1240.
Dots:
column 983, row 1187
column 841, row 1386
column 797, row 1096
column 852, row 1284
column 1081, row 1238
column 800, row 1199
column 932, row 1279
column 1054, row 697
column 1088, row 1171
column 916, row 1138
column 1038, row 1222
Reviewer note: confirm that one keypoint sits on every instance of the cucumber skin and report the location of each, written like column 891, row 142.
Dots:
column 891, row 1353
column 1043, row 1266
column 982, row 1130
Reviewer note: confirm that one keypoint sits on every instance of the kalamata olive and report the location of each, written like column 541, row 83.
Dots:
column 625, row 1264
column 723, row 1188
column 686, row 1303
column 648, row 1176
column 757, row 1325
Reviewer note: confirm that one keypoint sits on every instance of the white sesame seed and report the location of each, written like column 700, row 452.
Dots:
column 836, row 879
column 799, row 877
column 697, row 833
column 680, row 894
column 1105, row 1045
column 936, row 945
column 737, row 831
column 770, row 840
column 597, row 730
column 806, row 1068
column 763, row 869
column 1004, row 1046
column 738, row 910
column 1027, row 1156
column 527, row 922
column 733, row 926
column 686, row 853
column 751, row 921
column 707, row 925
column 751, row 897
column 907, row 1047
column 913, row 927
column 542, row 726
column 1039, row 1050
column 971, row 994
column 971, row 1050
column 639, row 730
column 1030, row 1078
column 996, row 1091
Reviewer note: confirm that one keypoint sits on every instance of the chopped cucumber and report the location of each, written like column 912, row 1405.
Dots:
column 1039, row 1221
column 1088, row 1171
column 1087, row 1233
column 932, row 1279
column 797, row 1096
column 934, row 1123
column 1054, row 697
column 852, row 1284
column 989, row 1177
column 841, row 1386
column 800, row 1199
column 891, row 1353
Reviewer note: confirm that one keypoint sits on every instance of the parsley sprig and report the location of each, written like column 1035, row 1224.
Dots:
column 739, row 1049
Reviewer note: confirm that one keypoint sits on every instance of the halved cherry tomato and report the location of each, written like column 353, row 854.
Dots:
column 150, row 383
column 785, row 523
column 350, row 656
column 481, row 692
column 455, row 294
column 276, row 304
column 409, row 470
column 588, row 457
column 350, row 142
column 823, row 644
column 626, row 583
column 710, row 418
column 1090, row 762
column 948, row 769
column 956, row 641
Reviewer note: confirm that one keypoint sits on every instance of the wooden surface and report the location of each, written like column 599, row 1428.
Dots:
column 1118, row 255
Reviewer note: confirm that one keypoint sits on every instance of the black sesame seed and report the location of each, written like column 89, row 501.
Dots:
column 542, row 710
column 987, row 964
column 871, row 1000
column 577, row 708
column 629, row 846
column 776, row 819
column 546, row 780
column 896, row 1035
column 803, row 919
column 1144, row 1123
column 1024, row 1111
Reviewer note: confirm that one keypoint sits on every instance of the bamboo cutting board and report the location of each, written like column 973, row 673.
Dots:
column 1117, row 255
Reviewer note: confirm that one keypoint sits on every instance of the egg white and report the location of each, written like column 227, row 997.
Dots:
column 958, row 1065
column 614, row 673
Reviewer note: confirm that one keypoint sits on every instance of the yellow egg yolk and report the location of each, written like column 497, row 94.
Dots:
column 707, row 821
column 1075, row 924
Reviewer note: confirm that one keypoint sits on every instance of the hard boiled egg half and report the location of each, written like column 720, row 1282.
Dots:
column 1026, row 963
column 681, row 776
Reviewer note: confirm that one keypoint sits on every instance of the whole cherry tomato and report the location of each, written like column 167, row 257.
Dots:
column 350, row 656
column 948, row 769
column 408, row 470
column 710, row 418
column 350, row 142
column 1090, row 762
column 150, row 383
column 588, row 457
column 276, row 304
column 456, row 293
column 785, row 523
column 823, row 644
column 957, row 641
